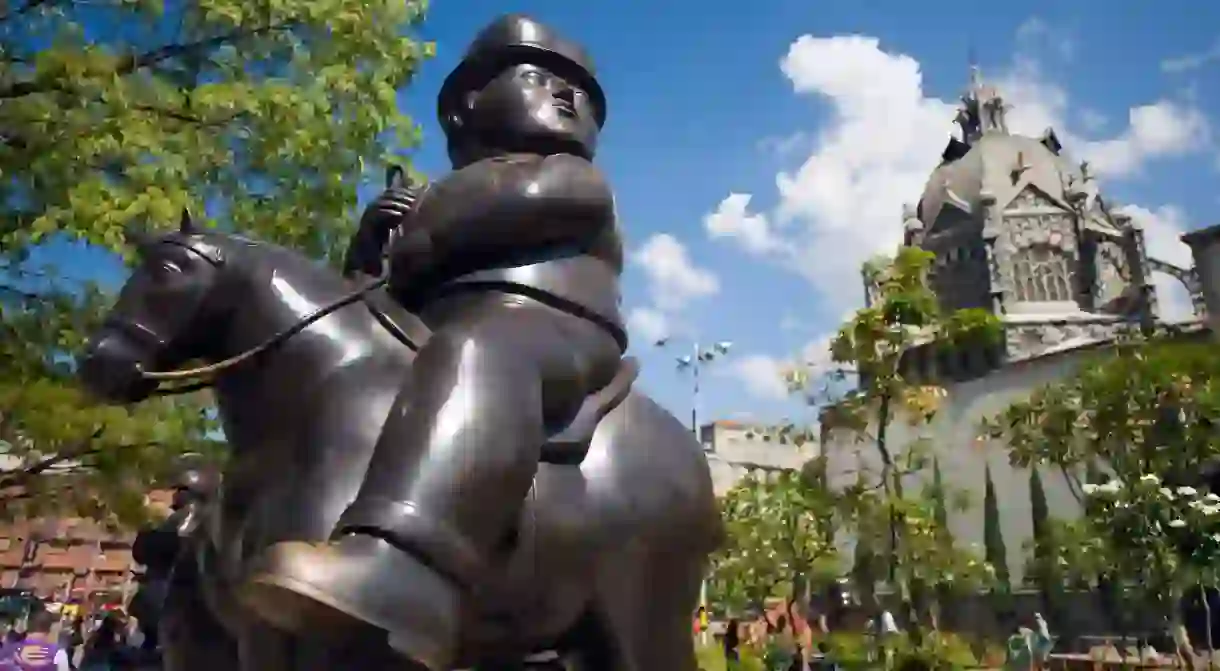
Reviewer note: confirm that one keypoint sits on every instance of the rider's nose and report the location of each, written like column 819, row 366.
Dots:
column 566, row 94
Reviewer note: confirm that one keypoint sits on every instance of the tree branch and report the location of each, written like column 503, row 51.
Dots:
column 134, row 62
column 17, row 477
column 25, row 9
column 185, row 117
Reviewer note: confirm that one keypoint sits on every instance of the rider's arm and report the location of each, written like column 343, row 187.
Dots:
column 364, row 252
column 537, row 209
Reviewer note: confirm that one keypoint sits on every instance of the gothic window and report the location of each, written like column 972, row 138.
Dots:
column 1043, row 273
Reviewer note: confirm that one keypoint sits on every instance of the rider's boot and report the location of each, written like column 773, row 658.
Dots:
column 444, row 489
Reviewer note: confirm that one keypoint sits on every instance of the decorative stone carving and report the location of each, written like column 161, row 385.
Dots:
column 1028, row 341
column 1113, row 272
column 1054, row 230
column 1032, row 199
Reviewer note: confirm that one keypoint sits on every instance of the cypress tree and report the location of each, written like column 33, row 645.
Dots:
column 1045, row 571
column 993, row 537
column 1038, row 511
column 940, row 511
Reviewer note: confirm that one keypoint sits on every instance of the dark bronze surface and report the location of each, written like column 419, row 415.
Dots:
column 490, row 484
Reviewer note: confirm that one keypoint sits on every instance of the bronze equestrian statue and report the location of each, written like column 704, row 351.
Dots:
column 467, row 479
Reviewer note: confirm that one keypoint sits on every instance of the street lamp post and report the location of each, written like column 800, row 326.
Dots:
column 693, row 363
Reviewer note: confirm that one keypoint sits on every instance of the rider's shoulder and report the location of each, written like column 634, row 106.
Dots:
column 573, row 176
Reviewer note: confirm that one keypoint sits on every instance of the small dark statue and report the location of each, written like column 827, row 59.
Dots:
column 453, row 473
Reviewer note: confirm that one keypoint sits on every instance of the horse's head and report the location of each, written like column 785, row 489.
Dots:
column 162, row 314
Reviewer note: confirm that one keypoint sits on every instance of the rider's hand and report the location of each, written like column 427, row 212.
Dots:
column 392, row 206
column 384, row 215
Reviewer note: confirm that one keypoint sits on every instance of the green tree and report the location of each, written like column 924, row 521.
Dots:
column 121, row 113
column 993, row 535
column 903, row 314
column 938, row 494
column 780, row 542
column 1143, row 413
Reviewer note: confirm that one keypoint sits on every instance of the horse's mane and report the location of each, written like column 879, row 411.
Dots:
column 245, row 251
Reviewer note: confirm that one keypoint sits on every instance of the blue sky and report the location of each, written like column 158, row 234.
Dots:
column 710, row 99
column 828, row 116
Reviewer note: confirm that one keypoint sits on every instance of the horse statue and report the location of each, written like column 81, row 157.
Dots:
column 603, row 570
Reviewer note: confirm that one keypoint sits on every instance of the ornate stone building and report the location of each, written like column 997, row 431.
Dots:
column 1019, row 229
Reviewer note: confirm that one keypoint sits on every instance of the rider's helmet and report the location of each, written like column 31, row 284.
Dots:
column 512, row 40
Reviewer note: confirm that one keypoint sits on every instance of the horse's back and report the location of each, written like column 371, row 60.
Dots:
column 647, row 472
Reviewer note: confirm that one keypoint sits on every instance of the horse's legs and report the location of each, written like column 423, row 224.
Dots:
column 641, row 619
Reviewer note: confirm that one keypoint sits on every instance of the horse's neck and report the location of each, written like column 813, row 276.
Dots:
column 279, row 297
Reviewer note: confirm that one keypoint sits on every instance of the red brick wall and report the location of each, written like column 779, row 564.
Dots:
column 79, row 554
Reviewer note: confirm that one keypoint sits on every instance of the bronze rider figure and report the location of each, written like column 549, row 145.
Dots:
column 514, row 260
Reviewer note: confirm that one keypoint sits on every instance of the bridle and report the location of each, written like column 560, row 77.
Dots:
column 210, row 372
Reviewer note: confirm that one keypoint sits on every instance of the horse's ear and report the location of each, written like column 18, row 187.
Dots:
column 186, row 226
column 395, row 177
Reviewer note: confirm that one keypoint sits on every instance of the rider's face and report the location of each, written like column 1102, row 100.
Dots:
column 536, row 104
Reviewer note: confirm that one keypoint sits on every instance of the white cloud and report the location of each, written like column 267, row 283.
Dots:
column 1188, row 62
column 763, row 376
column 843, row 204
column 1163, row 228
column 674, row 281
column 1163, row 128
column 732, row 219
column 650, row 324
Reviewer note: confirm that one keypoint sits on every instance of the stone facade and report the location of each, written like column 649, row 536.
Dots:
column 734, row 449
column 953, row 438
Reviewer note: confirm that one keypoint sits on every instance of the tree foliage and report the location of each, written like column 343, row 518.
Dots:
column 1144, row 406
column 1130, row 429
column 905, row 530
column 120, row 113
column 780, row 528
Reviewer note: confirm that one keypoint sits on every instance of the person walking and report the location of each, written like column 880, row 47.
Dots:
column 37, row 650
column 72, row 637
column 103, row 646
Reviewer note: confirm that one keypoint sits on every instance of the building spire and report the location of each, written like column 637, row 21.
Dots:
column 982, row 109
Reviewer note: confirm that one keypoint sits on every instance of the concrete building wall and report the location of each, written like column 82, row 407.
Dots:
column 953, row 438
column 733, row 449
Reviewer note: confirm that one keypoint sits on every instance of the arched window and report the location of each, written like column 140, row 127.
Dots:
column 1044, row 273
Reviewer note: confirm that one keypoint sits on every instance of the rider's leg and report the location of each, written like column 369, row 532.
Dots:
column 447, row 480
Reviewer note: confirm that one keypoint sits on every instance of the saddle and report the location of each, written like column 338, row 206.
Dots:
column 569, row 445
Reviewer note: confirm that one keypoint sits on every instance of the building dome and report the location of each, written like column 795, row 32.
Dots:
column 998, row 166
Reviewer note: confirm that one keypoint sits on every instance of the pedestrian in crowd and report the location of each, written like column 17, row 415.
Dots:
column 37, row 649
column 732, row 641
column 103, row 646
column 12, row 636
column 72, row 637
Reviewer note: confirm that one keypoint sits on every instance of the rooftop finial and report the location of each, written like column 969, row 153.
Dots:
column 976, row 75
column 983, row 110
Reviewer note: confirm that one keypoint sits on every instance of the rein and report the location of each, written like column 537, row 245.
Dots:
column 213, row 369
